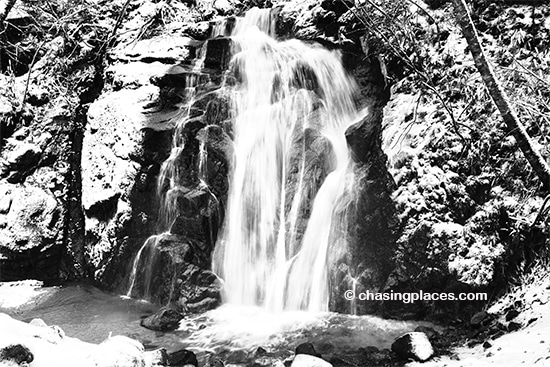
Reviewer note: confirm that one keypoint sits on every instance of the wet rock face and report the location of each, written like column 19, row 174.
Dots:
column 173, row 271
column 365, row 260
column 129, row 135
column 218, row 53
column 373, row 225
column 164, row 319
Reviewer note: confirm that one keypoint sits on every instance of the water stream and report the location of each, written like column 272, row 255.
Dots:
column 290, row 170
column 291, row 164
column 231, row 332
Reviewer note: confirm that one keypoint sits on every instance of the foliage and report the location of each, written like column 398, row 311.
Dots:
column 423, row 51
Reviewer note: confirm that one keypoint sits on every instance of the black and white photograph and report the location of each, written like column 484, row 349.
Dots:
column 274, row 183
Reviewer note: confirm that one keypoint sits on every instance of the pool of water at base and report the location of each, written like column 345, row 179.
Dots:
column 89, row 314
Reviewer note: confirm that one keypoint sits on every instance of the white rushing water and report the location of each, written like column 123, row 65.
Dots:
column 290, row 170
column 290, row 91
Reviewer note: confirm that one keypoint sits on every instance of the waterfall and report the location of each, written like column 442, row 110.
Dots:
column 291, row 161
column 291, row 103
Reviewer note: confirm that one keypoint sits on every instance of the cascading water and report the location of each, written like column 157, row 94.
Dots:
column 168, row 189
column 291, row 103
column 291, row 109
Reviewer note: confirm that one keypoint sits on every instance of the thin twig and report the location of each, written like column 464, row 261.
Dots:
column 115, row 28
column 29, row 74
column 426, row 13
column 472, row 100
column 542, row 210
column 533, row 74
column 410, row 124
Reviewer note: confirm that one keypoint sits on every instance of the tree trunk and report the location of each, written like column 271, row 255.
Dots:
column 5, row 7
column 499, row 96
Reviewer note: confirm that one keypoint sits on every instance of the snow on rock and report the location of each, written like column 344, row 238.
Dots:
column 50, row 347
column 414, row 345
column 306, row 360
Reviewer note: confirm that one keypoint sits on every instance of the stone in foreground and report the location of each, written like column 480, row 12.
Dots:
column 307, row 348
column 306, row 360
column 42, row 345
column 164, row 319
column 16, row 353
column 183, row 357
column 415, row 345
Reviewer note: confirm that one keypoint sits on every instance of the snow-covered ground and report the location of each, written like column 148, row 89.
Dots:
column 529, row 346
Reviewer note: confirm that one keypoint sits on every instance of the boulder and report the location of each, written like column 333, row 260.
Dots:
column 120, row 351
column 175, row 268
column 30, row 233
column 16, row 353
column 223, row 7
column 306, row 360
column 415, row 345
column 23, row 156
column 307, row 348
column 157, row 357
column 165, row 319
column 200, row 291
column 117, row 350
column 38, row 322
column 37, row 96
column 183, row 357
column 478, row 318
column 512, row 314
column 199, row 30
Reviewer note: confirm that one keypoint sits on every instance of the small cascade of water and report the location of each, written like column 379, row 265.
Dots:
column 169, row 189
column 353, row 303
column 291, row 164
column 143, row 261
column 203, row 157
